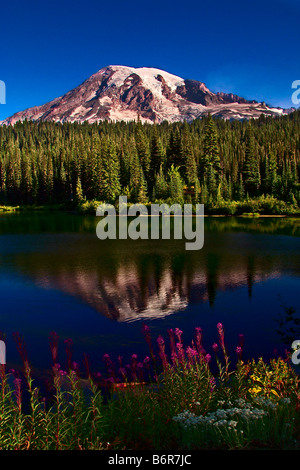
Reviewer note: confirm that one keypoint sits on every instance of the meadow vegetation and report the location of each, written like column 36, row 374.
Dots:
column 178, row 397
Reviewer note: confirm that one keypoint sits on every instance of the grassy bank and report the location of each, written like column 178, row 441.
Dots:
column 35, row 207
column 9, row 208
column 178, row 397
column 251, row 207
column 255, row 207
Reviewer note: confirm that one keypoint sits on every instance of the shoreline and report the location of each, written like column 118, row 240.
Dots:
column 63, row 208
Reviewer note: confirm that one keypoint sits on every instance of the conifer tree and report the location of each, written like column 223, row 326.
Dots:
column 210, row 162
column 174, row 152
column 137, row 185
column 2, row 181
column 175, row 186
column 142, row 194
column 157, row 156
column 111, row 187
column 142, row 147
column 79, row 193
column 160, row 190
column 271, row 173
column 251, row 170
column 188, row 157
column 26, row 180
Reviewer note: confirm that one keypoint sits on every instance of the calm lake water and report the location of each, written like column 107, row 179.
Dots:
column 56, row 275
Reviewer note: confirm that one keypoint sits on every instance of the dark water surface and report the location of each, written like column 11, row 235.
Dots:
column 56, row 275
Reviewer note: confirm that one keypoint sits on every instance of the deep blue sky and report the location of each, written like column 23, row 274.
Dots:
column 248, row 48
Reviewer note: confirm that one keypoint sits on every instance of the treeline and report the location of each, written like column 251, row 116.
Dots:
column 209, row 161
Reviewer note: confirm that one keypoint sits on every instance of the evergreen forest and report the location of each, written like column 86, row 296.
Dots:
column 230, row 166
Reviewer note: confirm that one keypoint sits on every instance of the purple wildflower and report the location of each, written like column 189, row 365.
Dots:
column 191, row 352
column 239, row 351
column 198, row 340
column 207, row 358
column 160, row 340
column 221, row 335
column 180, row 353
column 174, row 357
column 162, row 354
column 18, row 392
column 178, row 333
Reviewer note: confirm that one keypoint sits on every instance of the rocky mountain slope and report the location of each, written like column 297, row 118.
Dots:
column 119, row 93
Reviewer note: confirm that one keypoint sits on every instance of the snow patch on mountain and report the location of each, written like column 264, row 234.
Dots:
column 149, row 77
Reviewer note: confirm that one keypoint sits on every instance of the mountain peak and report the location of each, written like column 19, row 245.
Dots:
column 123, row 93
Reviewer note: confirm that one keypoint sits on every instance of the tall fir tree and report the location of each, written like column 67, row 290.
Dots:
column 157, row 156
column 111, row 187
column 251, row 171
column 210, row 161
column 190, row 173
column 142, row 147
column 175, row 186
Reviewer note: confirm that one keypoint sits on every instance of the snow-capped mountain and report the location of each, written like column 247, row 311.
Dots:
column 119, row 93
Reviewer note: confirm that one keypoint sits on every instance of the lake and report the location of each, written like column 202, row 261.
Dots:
column 56, row 275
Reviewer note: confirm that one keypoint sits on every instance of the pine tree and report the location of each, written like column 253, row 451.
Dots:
column 49, row 179
column 142, row 147
column 210, row 162
column 13, row 173
column 251, row 170
column 190, row 167
column 26, row 180
column 142, row 194
column 174, row 152
column 2, row 181
column 111, row 187
column 196, row 194
column 271, row 173
column 241, row 189
column 137, row 185
column 93, row 165
column 79, row 194
column 157, row 156
column 160, row 190
column 175, row 186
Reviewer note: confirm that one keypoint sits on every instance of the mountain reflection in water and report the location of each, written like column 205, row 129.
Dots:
column 147, row 279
